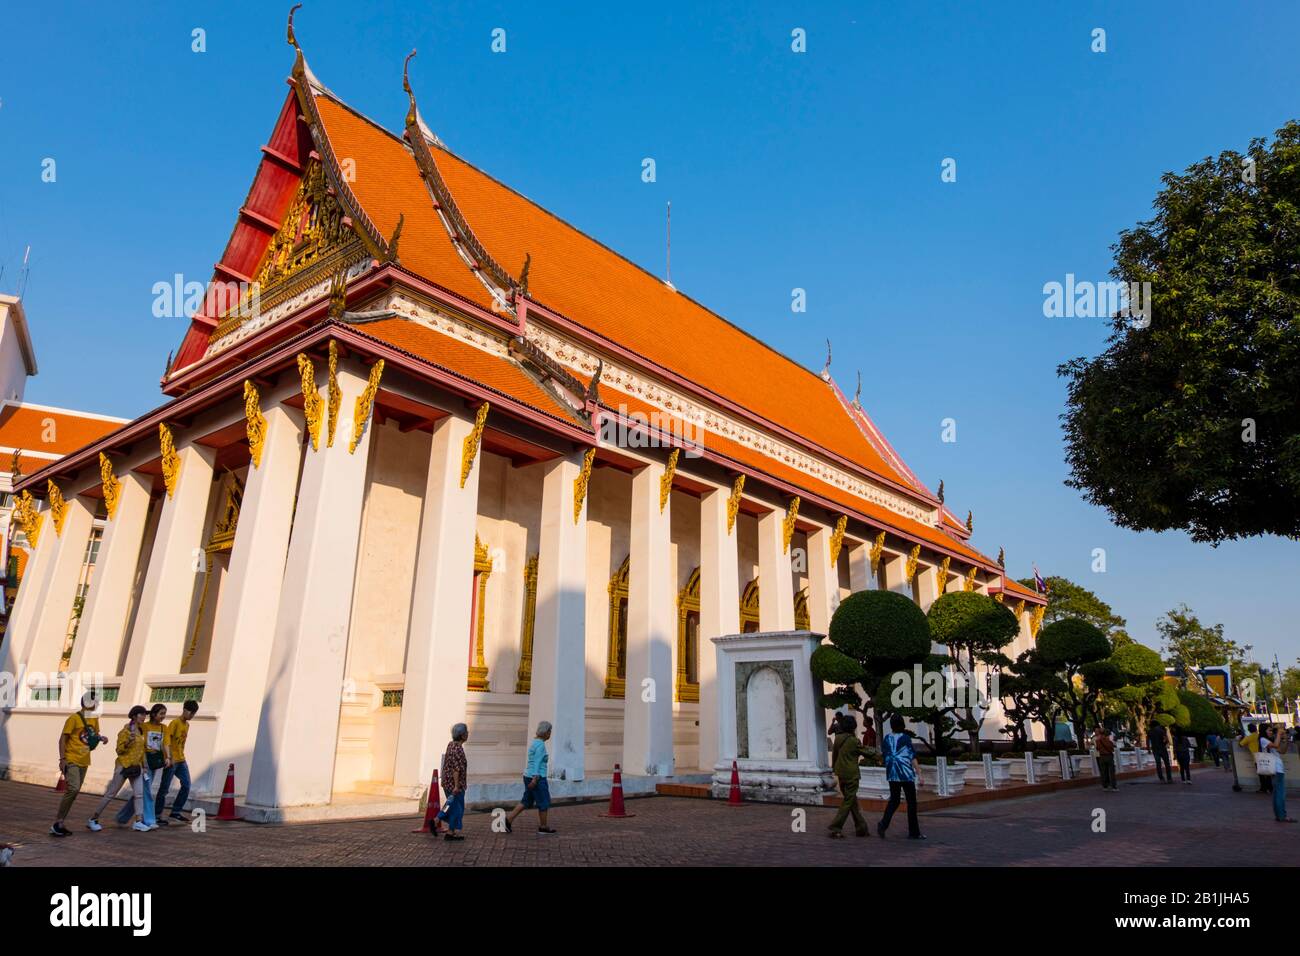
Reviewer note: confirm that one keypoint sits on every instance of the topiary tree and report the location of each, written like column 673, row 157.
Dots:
column 932, row 703
column 1202, row 718
column 1068, row 645
column 1144, row 686
column 872, row 635
column 1034, row 690
column 974, row 628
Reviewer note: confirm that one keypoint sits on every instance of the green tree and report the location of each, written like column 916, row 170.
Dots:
column 1187, row 419
column 1190, row 644
column 974, row 628
column 1202, row 718
column 1031, row 692
column 1144, row 688
column 1068, row 645
column 872, row 635
column 1067, row 599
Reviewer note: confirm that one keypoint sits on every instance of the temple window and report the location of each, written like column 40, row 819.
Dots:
column 801, row 619
column 478, row 673
column 688, row 640
column 616, row 669
column 749, row 608
column 524, row 681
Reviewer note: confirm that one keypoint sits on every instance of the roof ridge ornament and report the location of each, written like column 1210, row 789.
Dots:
column 857, row 396
column 289, row 35
column 412, row 113
column 826, row 370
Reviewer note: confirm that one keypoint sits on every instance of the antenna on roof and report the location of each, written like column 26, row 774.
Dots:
column 669, row 280
column 22, row 276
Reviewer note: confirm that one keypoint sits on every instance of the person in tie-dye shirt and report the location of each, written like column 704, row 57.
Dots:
column 901, row 771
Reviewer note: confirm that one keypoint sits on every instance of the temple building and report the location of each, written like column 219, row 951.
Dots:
column 31, row 437
column 430, row 454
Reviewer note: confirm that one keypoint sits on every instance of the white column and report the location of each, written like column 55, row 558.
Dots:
column 860, row 577
column 50, row 629
column 244, row 629
column 161, row 624
column 823, row 581
column 719, row 612
column 104, row 619
column 896, row 573
column 775, row 579
column 558, row 689
column 929, row 585
column 16, row 648
column 293, row 758
column 651, row 631
column 437, row 647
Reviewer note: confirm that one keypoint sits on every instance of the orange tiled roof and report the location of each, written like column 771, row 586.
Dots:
column 1020, row 590
column 54, row 430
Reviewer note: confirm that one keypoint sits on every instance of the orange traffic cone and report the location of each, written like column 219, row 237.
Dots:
column 226, row 811
column 733, row 799
column 616, row 808
column 431, row 811
column 62, row 785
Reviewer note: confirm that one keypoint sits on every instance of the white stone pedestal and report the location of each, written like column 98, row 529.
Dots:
column 769, row 719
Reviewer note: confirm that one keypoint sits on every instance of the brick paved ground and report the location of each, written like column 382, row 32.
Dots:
column 1147, row 824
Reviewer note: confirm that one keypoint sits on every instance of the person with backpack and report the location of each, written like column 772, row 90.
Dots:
column 79, row 738
column 128, row 770
column 455, row 771
column 846, row 754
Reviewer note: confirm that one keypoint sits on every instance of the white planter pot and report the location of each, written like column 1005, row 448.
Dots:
column 874, row 785
column 1001, row 771
column 956, row 778
column 1082, row 764
column 1127, row 760
column 1043, row 767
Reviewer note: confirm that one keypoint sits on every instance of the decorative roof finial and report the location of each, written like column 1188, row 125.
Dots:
column 857, row 396
column 940, row 491
column 826, row 371
column 16, row 465
column 406, row 85
column 1002, row 558
column 523, row 273
column 970, row 521
column 391, row 254
column 293, row 40
column 593, row 388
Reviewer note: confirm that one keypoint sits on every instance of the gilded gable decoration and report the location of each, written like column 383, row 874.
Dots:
column 733, row 503
column 312, row 227
column 254, row 423
column 171, row 462
column 787, row 526
column 112, row 487
column 666, row 479
column 469, row 449
column 312, row 404
column 365, row 404
column 580, row 483
column 58, row 509
column 837, row 538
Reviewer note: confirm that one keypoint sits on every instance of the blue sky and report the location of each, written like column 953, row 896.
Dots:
column 818, row 170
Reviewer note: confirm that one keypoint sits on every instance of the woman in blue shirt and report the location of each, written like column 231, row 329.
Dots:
column 901, row 771
column 536, row 791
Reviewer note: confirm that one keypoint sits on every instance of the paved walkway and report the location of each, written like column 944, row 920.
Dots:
column 1147, row 823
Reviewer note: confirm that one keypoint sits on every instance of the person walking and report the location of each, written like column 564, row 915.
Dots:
column 1105, row 758
column 1264, row 768
column 1225, row 751
column 1183, row 754
column 175, row 765
column 154, row 733
column 901, row 771
column 1273, row 747
column 79, row 738
column 1212, row 742
column 846, row 754
column 455, row 772
column 536, row 792
column 1158, row 739
column 128, row 770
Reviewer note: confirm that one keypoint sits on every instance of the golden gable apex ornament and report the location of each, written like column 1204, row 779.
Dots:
column 112, row 486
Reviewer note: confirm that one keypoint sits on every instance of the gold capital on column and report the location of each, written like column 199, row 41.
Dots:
column 58, row 509
column 666, row 479
column 969, row 583
column 787, row 526
column 942, row 581
column 171, row 462
column 837, row 538
column 469, row 450
column 1036, row 619
column 1020, row 609
column 254, row 422
column 28, row 518
column 877, row 549
column 911, row 563
column 365, row 403
column 112, row 487
column 335, row 395
column 580, row 483
column 733, row 503
column 312, row 404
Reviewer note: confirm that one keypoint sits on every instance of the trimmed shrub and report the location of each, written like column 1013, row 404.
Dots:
column 1072, row 641
column 880, row 626
column 1138, row 663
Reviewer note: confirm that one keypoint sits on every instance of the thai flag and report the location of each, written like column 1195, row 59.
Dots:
column 1039, row 584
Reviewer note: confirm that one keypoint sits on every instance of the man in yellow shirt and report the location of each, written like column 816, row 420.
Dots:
column 79, row 737
column 174, row 764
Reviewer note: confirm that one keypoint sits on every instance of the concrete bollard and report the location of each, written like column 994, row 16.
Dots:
column 1030, row 775
column 988, row 771
column 1067, row 768
column 941, row 772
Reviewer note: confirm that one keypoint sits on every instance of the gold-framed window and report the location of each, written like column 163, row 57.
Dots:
column 749, row 608
column 616, row 668
column 478, row 672
column 524, row 679
column 688, row 640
